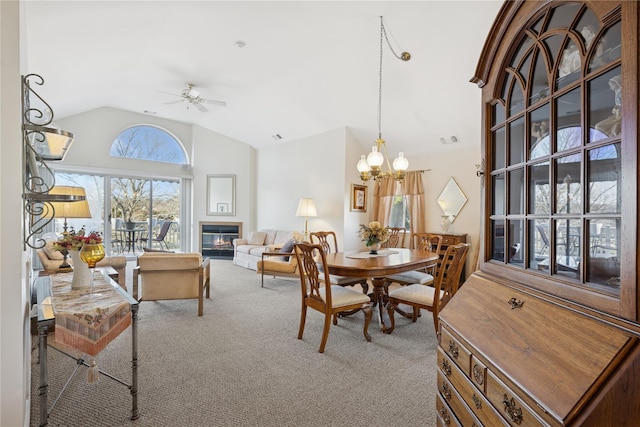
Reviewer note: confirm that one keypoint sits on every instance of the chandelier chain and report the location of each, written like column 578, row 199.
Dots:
column 382, row 33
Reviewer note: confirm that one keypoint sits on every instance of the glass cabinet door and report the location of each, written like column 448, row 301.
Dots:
column 554, row 152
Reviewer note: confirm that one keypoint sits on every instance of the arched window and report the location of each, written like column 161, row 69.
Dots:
column 146, row 142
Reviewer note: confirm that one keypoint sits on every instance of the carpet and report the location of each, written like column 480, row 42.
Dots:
column 241, row 364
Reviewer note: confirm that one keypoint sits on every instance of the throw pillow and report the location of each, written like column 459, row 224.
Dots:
column 287, row 248
column 257, row 238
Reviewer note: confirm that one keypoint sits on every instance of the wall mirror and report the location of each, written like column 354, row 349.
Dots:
column 221, row 195
column 451, row 199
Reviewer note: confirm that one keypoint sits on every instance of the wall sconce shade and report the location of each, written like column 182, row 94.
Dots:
column 50, row 143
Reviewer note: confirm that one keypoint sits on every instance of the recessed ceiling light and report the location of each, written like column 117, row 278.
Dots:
column 240, row 44
column 150, row 112
column 277, row 137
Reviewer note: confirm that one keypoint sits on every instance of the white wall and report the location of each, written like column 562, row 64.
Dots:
column 95, row 131
column 15, row 343
column 460, row 164
column 306, row 168
column 216, row 154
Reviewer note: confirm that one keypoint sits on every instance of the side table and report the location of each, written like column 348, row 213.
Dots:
column 45, row 323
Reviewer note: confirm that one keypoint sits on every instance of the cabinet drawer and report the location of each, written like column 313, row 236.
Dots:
column 473, row 399
column 515, row 411
column 444, row 414
column 453, row 408
column 456, row 351
column 448, row 240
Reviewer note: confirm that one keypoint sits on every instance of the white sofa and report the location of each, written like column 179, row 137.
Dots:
column 247, row 252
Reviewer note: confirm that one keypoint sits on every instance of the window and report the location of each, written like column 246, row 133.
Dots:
column 145, row 142
column 399, row 216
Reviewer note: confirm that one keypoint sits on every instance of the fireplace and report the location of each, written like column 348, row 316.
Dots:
column 216, row 238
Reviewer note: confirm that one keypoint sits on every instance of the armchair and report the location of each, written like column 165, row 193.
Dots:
column 167, row 276
column 281, row 264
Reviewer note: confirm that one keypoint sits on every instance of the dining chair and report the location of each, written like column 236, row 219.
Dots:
column 321, row 295
column 427, row 242
column 329, row 243
column 432, row 298
column 396, row 238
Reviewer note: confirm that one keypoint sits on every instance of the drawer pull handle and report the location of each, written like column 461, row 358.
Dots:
column 514, row 413
column 445, row 416
column 446, row 368
column 515, row 303
column 478, row 374
column 446, row 391
column 453, row 349
column 477, row 401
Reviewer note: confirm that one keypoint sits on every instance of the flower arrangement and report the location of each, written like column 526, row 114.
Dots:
column 74, row 241
column 373, row 233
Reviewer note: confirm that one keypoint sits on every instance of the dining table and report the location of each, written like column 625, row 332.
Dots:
column 379, row 265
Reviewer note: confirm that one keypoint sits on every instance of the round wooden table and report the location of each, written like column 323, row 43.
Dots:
column 376, row 267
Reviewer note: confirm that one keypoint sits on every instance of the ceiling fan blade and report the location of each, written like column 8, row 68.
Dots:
column 200, row 107
column 169, row 93
column 174, row 102
column 215, row 102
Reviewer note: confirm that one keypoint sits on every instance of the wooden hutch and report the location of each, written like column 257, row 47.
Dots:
column 550, row 335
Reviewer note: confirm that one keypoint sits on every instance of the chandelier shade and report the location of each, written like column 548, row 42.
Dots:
column 371, row 165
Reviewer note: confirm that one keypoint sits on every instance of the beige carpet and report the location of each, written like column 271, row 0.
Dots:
column 241, row 364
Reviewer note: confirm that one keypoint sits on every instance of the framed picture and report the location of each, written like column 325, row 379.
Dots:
column 221, row 194
column 358, row 198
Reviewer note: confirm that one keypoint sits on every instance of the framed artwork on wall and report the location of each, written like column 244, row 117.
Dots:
column 221, row 195
column 358, row 198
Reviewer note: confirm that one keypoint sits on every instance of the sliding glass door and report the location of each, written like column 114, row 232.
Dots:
column 139, row 212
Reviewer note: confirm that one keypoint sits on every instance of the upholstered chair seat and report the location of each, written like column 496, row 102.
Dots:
column 419, row 277
column 417, row 294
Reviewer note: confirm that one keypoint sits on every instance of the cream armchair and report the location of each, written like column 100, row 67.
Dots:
column 167, row 276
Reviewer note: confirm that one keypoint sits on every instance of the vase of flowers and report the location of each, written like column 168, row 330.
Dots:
column 373, row 234
column 72, row 243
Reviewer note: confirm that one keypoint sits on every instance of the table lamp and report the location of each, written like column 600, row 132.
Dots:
column 306, row 208
column 79, row 209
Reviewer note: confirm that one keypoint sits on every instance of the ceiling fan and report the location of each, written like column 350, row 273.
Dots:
column 192, row 97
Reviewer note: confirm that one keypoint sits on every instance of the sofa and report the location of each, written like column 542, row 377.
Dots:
column 248, row 252
column 51, row 260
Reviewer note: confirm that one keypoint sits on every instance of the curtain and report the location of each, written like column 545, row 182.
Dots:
column 383, row 192
column 413, row 190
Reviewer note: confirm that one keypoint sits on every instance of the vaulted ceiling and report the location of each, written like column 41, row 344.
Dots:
column 288, row 68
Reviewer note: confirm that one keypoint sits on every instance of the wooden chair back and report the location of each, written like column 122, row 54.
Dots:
column 326, row 239
column 445, row 286
column 428, row 242
column 447, row 278
column 396, row 238
column 317, row 291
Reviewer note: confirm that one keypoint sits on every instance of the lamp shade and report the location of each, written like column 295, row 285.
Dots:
column 306, row 207
column 79, row 209
column 50, row 143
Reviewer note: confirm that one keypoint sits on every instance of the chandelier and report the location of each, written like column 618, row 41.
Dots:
column 371, row 165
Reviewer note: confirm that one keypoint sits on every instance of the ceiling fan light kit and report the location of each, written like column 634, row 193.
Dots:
column 192, row 97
